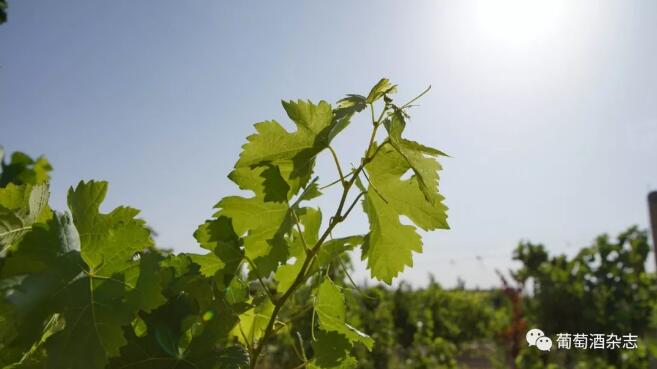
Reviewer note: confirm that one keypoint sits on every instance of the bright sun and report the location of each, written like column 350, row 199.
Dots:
column 519, row 21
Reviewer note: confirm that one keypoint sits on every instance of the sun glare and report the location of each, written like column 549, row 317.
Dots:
column 518, row 21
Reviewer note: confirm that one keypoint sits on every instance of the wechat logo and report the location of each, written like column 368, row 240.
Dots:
column 536, row 337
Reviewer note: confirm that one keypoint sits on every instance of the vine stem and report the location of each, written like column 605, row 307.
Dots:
column 338, row 180
column 337, row 218
column 337, row 164
column 262, row 283
column 416, row 98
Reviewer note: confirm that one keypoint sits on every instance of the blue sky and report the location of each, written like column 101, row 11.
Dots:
column 547, row 108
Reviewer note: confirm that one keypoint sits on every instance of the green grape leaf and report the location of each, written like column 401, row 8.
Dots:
column 237, row 291
column 219, row 237
column 331, row 310
column 345, row 110
column 209, row 263
column 22, row 169
column 347, row 363
column 36, row 269
column 41, row 247
column 106, row 299
column 139, row 326
column 253, row 322
column 332, row 249
column 266, row 181
column 108, row 241
column 335, row 247
column 20, row 207
column 297, row 150
column 390, row 244
column 310, row 219
column 233, row 357
column 420, row 158
column 203, row 350
column 383, row 87
column 28, row 200
column 406, row 196
column 12, row 228
column 262, row 224
column 33, row 358
column 286, row 275
column 87, row 289
column 145, row 281
column 178, row 265
column 98, row 312
column 311, row 192
column 331, row 351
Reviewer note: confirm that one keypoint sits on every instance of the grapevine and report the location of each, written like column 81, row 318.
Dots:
column 87, row 289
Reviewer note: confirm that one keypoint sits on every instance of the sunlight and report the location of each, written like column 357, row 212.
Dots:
column 519, row 21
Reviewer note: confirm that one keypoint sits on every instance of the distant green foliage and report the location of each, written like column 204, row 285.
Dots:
column 86, row 289
column 425, row 328
column 22, row 169
column 412, row 328
column 605, row 288
column 3, row 11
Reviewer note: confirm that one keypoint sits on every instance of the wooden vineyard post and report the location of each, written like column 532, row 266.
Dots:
column 652, row 207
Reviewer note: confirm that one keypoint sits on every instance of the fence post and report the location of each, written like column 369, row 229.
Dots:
column 652, row 207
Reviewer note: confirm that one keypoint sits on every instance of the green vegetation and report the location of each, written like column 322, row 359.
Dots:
column 3, row 11
column 87, row 289
column 603, row 289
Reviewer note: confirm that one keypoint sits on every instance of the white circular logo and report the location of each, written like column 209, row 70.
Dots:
column 534, row 335
column 544, row 343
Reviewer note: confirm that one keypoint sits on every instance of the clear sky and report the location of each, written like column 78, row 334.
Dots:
column 548, row 109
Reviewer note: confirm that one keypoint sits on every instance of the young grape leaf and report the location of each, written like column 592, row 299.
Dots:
column 346, row 109
column 405, row 196
column 420, row 158
column 381, row 88
column 331, row 311
column 390, row 243
column 273, row 144
column 310, row 192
